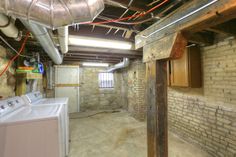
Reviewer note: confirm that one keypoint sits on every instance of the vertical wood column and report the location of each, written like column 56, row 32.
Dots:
column 156, row 99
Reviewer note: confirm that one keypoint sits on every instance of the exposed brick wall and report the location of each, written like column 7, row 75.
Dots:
column 7, row 80
column 208, row 117
column 219, row 62
column 94, row 98
column 135, row 75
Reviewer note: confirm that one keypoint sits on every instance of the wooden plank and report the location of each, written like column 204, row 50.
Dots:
column 103, row 50
column 156, row 99
column 20, row 87
column 169, row 47
column 29, row 75
column 67, row 85
column 101, row 55
column 219, row 12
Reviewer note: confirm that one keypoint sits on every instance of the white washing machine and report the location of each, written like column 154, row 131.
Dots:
column 30, row 131
column 36, row 98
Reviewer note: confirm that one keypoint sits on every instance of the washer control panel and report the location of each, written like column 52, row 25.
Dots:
column 34, row 96
column 10, row 105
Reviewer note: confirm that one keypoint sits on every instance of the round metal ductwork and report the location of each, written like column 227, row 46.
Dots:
column 53, row 13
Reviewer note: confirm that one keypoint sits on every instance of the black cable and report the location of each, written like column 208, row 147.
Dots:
column 8, row 23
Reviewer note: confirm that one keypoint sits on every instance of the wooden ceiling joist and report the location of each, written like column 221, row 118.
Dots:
column 101, row 55
column 101, row 50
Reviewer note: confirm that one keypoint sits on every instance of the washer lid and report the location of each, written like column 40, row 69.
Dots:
column 29, row 113
column 47, row 101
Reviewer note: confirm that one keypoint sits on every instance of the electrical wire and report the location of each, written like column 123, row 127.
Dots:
column 128, row 23
column 19, row 52
column 128, row 17
column 25, row 56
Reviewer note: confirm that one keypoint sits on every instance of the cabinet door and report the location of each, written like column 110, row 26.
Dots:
column 195, row 80
column 179, row 75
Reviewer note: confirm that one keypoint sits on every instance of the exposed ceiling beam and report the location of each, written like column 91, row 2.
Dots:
column 101, row 50
column 115, row 27
column 89, row 60
column 135, row 6
column 101, row 55
column 200, row 38
column 93, row 58
column 196, row 18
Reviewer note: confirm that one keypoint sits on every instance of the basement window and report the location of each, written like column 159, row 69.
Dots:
column 106, row 80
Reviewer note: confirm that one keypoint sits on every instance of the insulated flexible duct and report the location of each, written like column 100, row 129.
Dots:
column 53, row 13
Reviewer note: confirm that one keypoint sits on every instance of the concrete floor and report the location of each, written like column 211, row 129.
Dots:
column 118, row 135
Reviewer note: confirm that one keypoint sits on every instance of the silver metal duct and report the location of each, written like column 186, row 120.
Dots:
column 63, row 36
column 120, row 65
column 53, row 13
column 41, row 34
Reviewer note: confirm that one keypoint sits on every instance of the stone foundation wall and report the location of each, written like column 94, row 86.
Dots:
column 7, row 80
column 94, row 98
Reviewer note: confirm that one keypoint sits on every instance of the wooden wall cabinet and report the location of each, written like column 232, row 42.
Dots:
column 186, row 71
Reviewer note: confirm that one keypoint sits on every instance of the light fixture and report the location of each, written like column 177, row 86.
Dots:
column 91, row 64
column 100, row 43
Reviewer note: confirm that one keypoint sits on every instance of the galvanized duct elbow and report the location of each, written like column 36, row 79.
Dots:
column 53, row 13
column 63, row 36
column 41, row 34
column 120, row 65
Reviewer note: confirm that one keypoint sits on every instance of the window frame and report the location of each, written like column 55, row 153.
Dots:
column 106, row 80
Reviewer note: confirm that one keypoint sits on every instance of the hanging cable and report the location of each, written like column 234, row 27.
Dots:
column 128, row 17
column 25, row 56
column 19, row 52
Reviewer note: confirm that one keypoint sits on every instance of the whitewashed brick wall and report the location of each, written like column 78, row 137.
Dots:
column 208, row 118
column 136, row 89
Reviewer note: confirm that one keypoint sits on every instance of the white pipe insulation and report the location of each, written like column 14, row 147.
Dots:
column 8, row 27
column 63, row 36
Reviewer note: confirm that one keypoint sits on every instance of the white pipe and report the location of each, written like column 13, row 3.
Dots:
column 120, row 65
column 8, row 27
column 63, row 35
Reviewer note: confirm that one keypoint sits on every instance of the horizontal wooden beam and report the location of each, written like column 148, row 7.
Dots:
column 195, row 16
column 103, row 50
column 95, row 58
column 89, row 60
column 101, row 55
column 135, row 6
column 169, row 47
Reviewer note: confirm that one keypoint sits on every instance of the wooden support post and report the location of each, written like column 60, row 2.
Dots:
column 156, row 99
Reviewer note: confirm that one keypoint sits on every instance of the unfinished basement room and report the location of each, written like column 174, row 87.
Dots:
column 118, row 78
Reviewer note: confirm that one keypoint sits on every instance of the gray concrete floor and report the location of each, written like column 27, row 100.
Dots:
column 118, row 135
